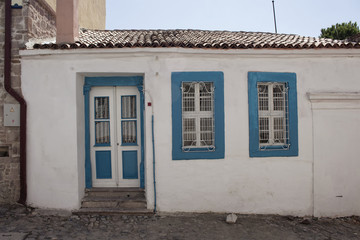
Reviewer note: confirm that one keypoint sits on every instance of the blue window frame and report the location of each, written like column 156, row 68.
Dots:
column 210, row 140
column 273, row 120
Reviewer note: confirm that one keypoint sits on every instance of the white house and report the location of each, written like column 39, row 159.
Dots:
column 239, row 121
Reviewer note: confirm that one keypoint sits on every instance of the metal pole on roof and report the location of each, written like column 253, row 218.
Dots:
column 274, row 15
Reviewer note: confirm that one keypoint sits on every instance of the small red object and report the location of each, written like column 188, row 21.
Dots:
column 149, row 104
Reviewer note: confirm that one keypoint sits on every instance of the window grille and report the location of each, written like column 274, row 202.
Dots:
column 198, row 115
column 273, row 115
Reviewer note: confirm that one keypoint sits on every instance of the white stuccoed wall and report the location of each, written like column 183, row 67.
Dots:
column 337, row 153
column 53, row 167
column 52, row 85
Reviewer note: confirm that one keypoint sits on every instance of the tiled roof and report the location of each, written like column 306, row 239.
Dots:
column 355, row 38
column 195, row 39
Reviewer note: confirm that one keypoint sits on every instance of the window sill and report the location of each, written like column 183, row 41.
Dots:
column 199, row 149
column 274, row 147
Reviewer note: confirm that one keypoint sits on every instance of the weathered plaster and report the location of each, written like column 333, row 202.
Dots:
column 279, row 185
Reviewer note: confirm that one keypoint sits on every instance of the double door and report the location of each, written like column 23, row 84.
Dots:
column 115, row 145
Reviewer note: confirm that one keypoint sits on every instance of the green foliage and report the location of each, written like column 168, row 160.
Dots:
column 340, row 31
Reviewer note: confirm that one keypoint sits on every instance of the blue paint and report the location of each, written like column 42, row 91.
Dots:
column 16, row 6
column 218, row 81
column 111, row 81
column 273, row 151
column 103, row 164
column 88, row 180
column 129, row 144
column 130, row 164
column 86, row 90
column 153, row 148
column 142, row 108
column 122, row 106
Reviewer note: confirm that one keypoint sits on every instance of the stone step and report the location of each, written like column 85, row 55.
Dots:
column 106, row 201
column 113, row 202
column 115, row 192
column 113, row 211
column 114, row 198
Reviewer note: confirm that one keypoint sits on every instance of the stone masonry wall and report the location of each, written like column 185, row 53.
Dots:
column 41, row 20
column 9, row 180
column 9, row 136
column 34, row 20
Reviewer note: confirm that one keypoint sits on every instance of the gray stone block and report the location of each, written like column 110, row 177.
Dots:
column 13, row 236
column 231, row 218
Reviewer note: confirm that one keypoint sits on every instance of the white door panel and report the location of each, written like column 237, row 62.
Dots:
column 115, row 139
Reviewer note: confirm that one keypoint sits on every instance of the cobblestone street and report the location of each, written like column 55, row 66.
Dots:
column 17, row 222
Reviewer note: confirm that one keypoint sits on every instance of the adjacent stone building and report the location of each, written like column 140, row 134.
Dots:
column 31, row 19
column 92, row 13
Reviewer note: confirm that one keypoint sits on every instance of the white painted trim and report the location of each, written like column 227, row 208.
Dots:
column 335, row 100
column 243, row 52
column 325, row 96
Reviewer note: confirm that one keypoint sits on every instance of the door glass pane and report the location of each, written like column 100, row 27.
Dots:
column 128, row 132
column 102, row 133
column 102, row 108
column 128, row 106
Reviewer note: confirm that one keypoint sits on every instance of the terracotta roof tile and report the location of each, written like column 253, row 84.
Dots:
column 196, row 39
column 355, row 38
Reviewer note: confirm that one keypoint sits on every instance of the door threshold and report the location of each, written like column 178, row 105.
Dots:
column 114, row 189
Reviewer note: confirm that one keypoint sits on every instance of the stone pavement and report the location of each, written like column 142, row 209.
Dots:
column 18, row 222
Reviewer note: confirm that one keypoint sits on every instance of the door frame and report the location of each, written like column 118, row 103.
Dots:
column 90, row 82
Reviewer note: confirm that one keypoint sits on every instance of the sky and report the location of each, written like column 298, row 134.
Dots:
column 302, row 17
